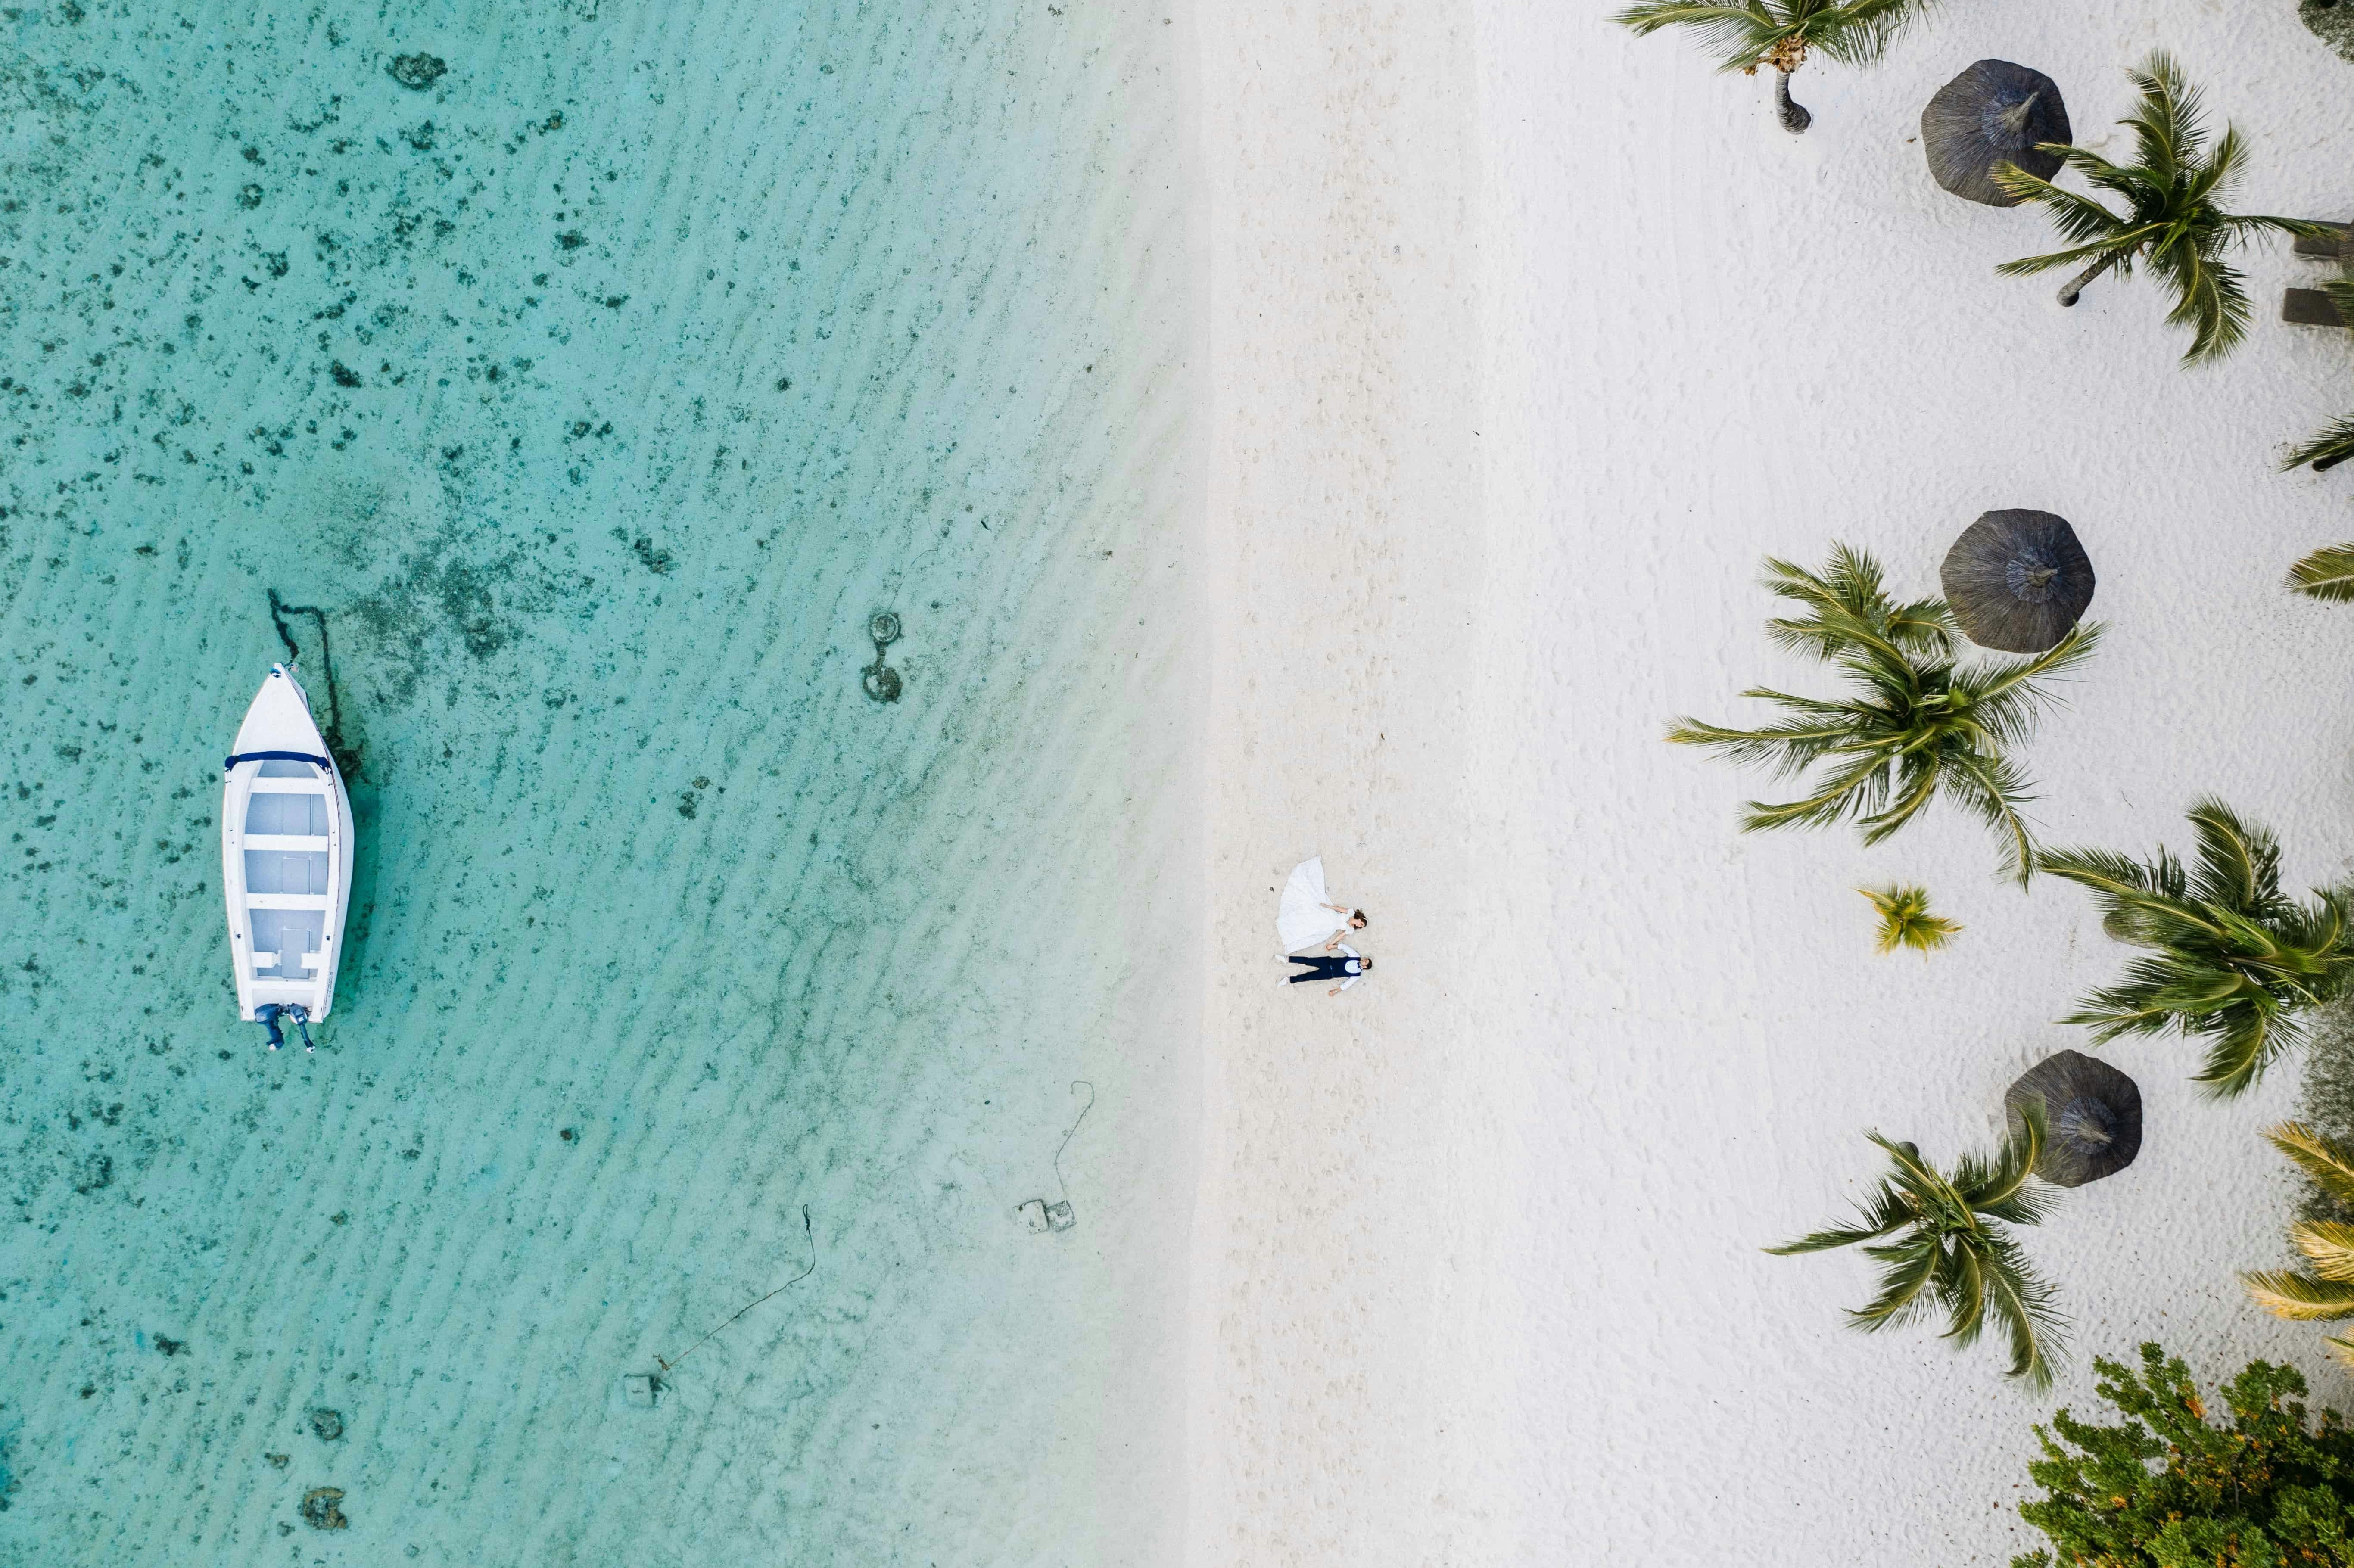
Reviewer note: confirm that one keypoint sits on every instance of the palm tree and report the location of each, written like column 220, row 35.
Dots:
column 1782, row 34
column 1952, row 1252
column 1905, row 920
column 2324, row 1292
column 2335, row 444
column 2171, row 222
column 1919, row 724
column 2229, row 957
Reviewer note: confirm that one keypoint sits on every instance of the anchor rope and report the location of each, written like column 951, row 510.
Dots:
column 1076, row 1083
column 347, row 757
column 780, row 1290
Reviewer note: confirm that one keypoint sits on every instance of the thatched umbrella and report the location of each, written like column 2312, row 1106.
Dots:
column 2092, row 1111
column 2018, row 580
column 1995, row 112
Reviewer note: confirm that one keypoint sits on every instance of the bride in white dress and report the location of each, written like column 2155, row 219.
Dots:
column 1306, row 916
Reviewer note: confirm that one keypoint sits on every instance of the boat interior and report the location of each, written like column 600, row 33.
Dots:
column 286, row 847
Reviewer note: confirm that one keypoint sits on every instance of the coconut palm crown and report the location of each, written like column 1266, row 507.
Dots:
column 2229, row 959
column 1918, row 723
column 2323, row 1291
column 1943, row 1246
column 2170, row 224
column 1782, row 34
column 1905, row 920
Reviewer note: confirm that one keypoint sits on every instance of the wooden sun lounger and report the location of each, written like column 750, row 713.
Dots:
column 2339, row 249
column 2311, row 307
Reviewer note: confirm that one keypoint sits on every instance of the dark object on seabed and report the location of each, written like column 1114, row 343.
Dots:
column 2312, row 307
column 879, row 680
column 328, row 1425
column 319, row 1510
column 1993, row 113
column 419, row 72
column 2017, row 579
column 2092, row 1113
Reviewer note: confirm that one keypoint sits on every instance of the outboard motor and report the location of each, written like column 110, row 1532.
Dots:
column 267, row 1016
column 301, row 1017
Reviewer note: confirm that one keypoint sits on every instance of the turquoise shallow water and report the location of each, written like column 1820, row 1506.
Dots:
column 600, row 388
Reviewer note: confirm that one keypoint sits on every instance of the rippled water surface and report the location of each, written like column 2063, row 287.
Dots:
column 599, row 370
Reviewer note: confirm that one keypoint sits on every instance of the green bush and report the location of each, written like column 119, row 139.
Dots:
column 2266, row 1491
column 2332, row 22
column 2327, row 1101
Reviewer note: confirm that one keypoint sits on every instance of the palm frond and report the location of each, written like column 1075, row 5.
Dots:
column 1983, row 1186
column 2239, row 866
column 2300, row 1297
column 2166, row 123
column 2327, row 573
column 2332, row 446
column 2022, row 1303
column 1991, row 790
column 1860, row 31
column 2250, row 1039
column 2329, row 1246
column 2326, row 1163
column 1739, row 36
column 2211, row 297
column 1908, row 1271
column 2005, row 693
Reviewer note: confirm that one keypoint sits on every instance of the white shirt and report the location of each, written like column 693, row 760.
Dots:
column 1356, row 966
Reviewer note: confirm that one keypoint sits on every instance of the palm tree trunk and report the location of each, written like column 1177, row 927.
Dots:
column 2076, row 286
column 1794, row 116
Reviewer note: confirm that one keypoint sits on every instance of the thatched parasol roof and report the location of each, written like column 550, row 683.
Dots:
column 2092, row 1111
column 2018, row 580
column 1995, row 112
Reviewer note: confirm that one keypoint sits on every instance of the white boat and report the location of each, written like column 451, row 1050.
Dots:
column 286, row 859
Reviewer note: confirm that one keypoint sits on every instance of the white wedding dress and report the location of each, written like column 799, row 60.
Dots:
column 1302, row 921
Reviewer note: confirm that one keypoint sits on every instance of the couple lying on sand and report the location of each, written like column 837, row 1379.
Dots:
column 1308, row 917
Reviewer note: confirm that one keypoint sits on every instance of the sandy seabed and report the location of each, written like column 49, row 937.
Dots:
column 601, row 374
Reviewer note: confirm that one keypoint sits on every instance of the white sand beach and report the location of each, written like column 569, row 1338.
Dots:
column 1530, row 338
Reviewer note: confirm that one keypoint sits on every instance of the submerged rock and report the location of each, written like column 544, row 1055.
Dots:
column 418, row 71
column 327, row 1423
column 319, row 1510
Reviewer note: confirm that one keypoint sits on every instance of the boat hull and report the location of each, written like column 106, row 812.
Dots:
column 286, row 854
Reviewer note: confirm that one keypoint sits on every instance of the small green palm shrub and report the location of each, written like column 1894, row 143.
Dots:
column 2170, row 224
column 1905, row 920
column 1943, row 1244
column 1782, row 34
column 2228, row 958
column 1916, row 723
column 2164, row 1487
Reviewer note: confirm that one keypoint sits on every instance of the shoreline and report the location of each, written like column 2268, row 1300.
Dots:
column 1329, row 1419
